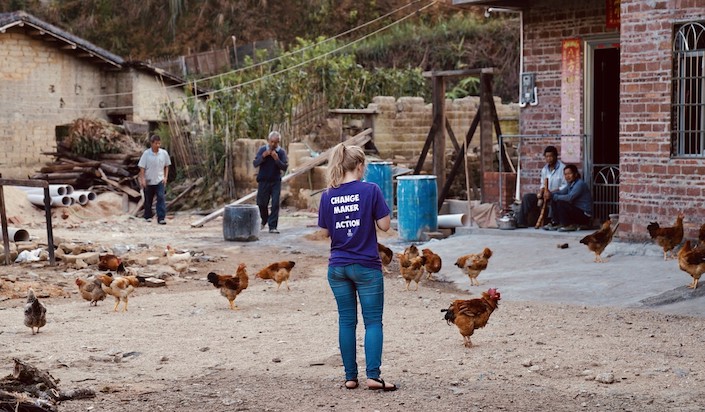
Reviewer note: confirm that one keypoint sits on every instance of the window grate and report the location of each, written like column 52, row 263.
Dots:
column 688, row 99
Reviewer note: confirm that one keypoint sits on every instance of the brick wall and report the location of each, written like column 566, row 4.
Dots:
column 653, row 186
column 40, row 87
column 546, row 25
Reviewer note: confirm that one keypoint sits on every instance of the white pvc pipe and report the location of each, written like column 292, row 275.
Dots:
column 89, row 194
column 38, row 199
column 81, row 198
column 54, row 190
column 16, row 235
column 69, row 189
column 450, row 221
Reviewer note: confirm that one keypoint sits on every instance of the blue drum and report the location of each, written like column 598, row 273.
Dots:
column 417, row 206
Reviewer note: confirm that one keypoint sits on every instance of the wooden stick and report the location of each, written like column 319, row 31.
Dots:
column 544, row 205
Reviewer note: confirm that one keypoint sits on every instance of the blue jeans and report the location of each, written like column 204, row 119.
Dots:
column 266, row 190
column 349, row 282
column 149, row 193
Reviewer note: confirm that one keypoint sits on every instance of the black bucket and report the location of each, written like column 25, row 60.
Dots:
column 241, row 223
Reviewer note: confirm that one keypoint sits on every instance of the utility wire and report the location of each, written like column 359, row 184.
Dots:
column 266, row 76
column 272, row 60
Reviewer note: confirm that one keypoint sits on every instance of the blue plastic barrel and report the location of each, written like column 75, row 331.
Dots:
column 380, row 173
column 417, row 206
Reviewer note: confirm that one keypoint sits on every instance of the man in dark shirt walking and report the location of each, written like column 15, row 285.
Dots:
column 271, row 160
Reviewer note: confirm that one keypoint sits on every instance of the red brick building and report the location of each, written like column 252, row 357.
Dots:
column 619, row 87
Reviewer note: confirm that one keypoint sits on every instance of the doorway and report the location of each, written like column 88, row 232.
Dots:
column 602, row 125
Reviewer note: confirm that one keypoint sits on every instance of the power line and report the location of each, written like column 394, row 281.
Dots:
column 195, row 82
column 266, row 76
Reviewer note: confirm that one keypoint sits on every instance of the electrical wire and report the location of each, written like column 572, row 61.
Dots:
column 266, row 76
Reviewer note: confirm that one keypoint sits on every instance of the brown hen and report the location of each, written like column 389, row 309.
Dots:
column 120, row 288
column 598, row 241
column 667, row 237
column 109, row 262
column 91, row 290
column 231, row 286
column 385, row 255
column 692, row 261
column 414, row 271
column 433, row 263
column 278, row 271
column 472, row 314
column 474, row 263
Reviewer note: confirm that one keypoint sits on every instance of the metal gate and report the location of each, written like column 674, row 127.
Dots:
column 605, row 191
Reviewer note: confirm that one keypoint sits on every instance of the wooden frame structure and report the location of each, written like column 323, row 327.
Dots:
column 47, row 208
column 486, row 118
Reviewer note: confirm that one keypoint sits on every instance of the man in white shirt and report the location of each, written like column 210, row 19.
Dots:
column 154, row 173
column 553, row 170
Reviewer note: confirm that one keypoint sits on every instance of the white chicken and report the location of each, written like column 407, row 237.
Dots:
column 172, row 257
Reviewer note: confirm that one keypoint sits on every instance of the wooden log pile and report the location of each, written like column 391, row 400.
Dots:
column 94, row 155
column 32, row 390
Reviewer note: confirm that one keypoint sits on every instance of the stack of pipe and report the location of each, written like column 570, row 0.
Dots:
column 61, row 195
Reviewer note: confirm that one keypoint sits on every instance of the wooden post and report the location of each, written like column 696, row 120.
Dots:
column 486, row 127
column 439, row 138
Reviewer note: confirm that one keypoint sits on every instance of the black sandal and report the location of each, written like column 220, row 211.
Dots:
column 384, row 386
column 353, row 386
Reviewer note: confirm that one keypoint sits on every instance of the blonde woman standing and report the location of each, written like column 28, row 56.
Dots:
column 350, row 212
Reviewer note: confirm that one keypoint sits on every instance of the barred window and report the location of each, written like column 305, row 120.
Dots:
column 688, row 98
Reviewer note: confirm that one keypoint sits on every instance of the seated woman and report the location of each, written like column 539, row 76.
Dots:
column 572, row 205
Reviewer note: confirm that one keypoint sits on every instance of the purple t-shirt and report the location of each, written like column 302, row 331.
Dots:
column 349, row 212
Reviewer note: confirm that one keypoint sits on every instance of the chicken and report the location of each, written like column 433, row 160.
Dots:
column 406, row 257
column 411, row 252
column 172, row 257
column 35, row 313
column 692, row 261
column 231, row 286
column 385, row 255
column 90, row 290
column 472, row 314
column 667, row 237
column 120, row 288
column 109, row 262
column 278, row 271
column 414, row 271
column 473, row 264
column 598, row 241
column 433, row 263
column 701, row 233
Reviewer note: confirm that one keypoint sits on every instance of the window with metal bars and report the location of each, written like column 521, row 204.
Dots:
column 688, row 98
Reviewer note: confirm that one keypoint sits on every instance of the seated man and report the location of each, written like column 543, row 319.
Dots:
column 572, row 206
column 553, row 171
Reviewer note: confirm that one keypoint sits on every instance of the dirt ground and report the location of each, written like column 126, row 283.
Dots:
column 180, row 348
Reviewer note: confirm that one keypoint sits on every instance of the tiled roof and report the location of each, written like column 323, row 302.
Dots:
column 21, row 18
